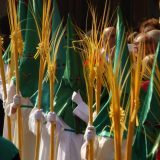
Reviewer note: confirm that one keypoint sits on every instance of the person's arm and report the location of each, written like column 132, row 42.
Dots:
column 81, row 110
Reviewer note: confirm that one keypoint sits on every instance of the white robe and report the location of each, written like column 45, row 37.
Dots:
column 45, row 138
column 28, row 143
column 103, row 149
column 68, row 144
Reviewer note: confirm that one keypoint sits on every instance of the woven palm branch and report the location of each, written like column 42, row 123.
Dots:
column 47, row 51
column 16, row 50
column 51, row 56
column 42, row 50
column 136, row 80
column 148, row 65
column 93, row 60
column 115, row 82
column 4, row 87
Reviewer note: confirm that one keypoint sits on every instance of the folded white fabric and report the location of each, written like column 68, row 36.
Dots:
column 90, row 133
column 76, row 97
column 51, row 117
column 81, row 110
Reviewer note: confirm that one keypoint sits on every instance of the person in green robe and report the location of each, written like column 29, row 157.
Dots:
column 8, row 150
column 68, row 126
column 41, row 115
column 100, row 132
column 28, row 78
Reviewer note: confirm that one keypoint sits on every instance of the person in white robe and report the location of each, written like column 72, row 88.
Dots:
column 10, row 106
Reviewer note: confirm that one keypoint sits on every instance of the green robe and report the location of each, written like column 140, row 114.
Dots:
column 60, row 64
column 72, row 80
column 7, row 150
column 28, row 66
column 102, row 122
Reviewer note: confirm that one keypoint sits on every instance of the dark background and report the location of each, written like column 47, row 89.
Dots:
column 134, row 12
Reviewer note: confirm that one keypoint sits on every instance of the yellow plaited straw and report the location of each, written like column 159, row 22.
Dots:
column 4, row 88
column 157, row 81
column 16, row 49
column 46, row 23
column 42, row 50
column 115, row 107
column 88, row 59
column 136, row 79
column 93, row 64
column 115, row 83
column 41, row 73
column 101, row 55
column 116, row 112
column 51, row 61
column 47, row 50
column 99, row 50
